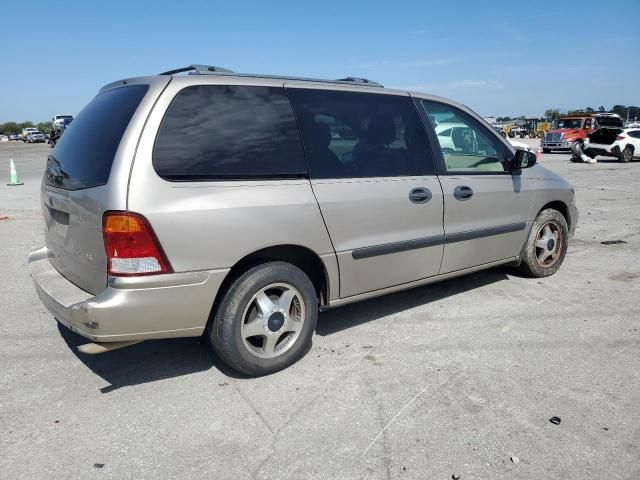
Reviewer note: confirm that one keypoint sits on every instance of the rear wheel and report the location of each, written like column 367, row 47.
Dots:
column 532, row 134
column 266, row 319
column 626, row 155
column 546, row 245
column 512, row 135
column 540, row 133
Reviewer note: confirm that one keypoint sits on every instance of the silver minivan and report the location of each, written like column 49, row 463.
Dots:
column 200, row 202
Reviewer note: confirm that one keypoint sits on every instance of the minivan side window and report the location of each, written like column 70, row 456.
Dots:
column 226, row 132
column 356, row 135
column 467, row 147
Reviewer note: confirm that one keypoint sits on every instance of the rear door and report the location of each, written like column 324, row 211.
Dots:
column 486, row 206
column 373, row 176
column 83, row 178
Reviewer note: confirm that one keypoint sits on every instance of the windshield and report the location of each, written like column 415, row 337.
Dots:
column 570, row 123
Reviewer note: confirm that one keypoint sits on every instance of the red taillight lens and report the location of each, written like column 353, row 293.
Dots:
column 620, row 137
column 132, row 247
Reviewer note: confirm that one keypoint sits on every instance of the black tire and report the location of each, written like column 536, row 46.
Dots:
column 626, row 155
column 512, row 135
column 225, row 329
column 504, row 135
column 531, row 264
column 532, row 134
column 546, row 150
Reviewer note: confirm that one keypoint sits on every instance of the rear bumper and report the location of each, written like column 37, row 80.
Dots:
column 132, row 308
column 602, row 149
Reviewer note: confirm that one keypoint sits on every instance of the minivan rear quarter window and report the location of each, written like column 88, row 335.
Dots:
column 84, row 155
column 227, row 132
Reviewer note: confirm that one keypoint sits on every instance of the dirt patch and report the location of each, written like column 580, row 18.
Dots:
column 624, row 276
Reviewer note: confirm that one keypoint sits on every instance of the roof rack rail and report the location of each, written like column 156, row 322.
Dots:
column 361, row 81
column 198, row 70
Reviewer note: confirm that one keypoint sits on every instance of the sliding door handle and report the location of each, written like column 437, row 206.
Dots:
column 420, row 195
column 463, row 192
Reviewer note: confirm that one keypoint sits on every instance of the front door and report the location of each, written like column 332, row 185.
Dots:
column 374, row 178
column 486, row 206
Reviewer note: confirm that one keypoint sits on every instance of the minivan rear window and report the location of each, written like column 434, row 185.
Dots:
column 229, row 132
column 84, row 154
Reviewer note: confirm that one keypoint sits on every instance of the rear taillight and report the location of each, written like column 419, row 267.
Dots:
column 132, row 247
column 620, row 137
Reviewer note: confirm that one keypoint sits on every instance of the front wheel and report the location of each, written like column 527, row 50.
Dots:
column 266, row 319
column 546, row 245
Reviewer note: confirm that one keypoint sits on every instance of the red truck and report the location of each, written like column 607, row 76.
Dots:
column 570, row 132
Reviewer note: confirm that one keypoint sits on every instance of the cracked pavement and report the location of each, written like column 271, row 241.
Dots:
column 455, row 377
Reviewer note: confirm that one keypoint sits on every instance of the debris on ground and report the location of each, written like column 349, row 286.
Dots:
column 98, row 465
column 555, row 420
column 455, row 476
column 515, row 459
column 612, row 242
column 5, row 217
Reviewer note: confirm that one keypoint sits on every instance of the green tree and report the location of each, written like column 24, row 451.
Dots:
column 9, row 127
column 552, row 113
column 44, row 127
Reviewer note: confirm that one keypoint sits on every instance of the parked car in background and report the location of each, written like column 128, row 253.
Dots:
column 26, row 131
column 254, row 201
column 61, row 120
column 14, row 137
column 36, row 137
column 623, row 144
column 4, row 138
column 569, row 133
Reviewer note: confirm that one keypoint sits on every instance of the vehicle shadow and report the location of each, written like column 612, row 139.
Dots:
column 352, row 315
column 155, row 360
column 145, row 362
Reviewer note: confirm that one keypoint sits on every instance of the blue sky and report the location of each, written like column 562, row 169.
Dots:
column 500, row 58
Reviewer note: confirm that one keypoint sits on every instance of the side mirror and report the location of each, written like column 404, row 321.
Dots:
column 523, row 159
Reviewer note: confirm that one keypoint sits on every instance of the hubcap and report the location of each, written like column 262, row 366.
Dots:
column 549, row 244
column 272, row 320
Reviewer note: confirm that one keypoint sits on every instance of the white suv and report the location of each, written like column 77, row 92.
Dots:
column 623, row 144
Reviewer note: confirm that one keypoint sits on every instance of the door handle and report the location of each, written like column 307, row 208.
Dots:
column 463, row 192
column 420, row 195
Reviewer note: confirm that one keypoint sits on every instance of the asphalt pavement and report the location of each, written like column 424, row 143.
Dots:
column 460, row 377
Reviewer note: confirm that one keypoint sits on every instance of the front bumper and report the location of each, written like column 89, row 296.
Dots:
column 129, row 308
column 573, row 219
column 563, row 145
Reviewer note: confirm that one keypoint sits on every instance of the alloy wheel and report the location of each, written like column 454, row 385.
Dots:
column 549, row 244
column 272, row 320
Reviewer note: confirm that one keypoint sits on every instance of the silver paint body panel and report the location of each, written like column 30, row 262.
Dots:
column 208, row 227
